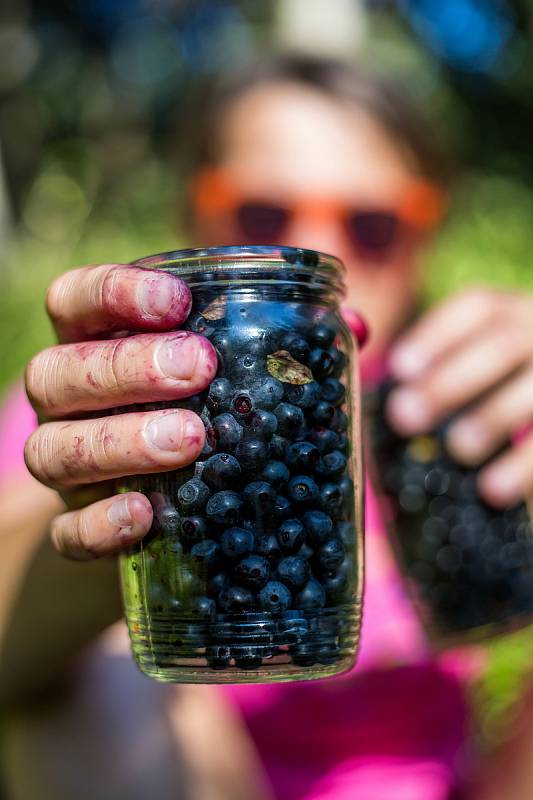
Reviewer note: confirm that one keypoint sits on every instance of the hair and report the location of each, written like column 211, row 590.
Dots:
column 384, row 99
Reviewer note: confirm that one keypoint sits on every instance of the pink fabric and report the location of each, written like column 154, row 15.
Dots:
column 391, row 729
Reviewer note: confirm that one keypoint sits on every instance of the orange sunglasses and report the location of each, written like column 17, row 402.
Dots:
column 373, row 233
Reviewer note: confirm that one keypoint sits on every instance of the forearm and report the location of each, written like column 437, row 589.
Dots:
column 50, row 608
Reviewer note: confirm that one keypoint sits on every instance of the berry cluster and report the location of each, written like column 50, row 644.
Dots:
column 264, row 521
column 471, row 564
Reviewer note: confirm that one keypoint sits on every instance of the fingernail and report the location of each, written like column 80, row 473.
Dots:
column 468, row 439
column 178, row 357
column 119, row 513
column 165, row 432
column 408, row 411
column 499, row 485
column 158, row 294
column 407, row 362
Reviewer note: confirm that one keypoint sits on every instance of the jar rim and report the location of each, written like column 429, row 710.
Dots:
column 270, row 260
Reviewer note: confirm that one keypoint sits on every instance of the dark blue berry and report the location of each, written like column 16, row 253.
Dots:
column 282, row 509
column 339, row 361
column 260, row 497
column 242, row 405
column 196, row 403
column 193, row 495
column 263, row 424
column 193, row 529
column 320, row 362
column 346, row 533
column 302, row 490
column 332, row 391
column 322, row 335
column 305, row 551
column 224, row 507
column 235, row 599
column 339, row 422
column 219, row 395
column 268, row 394
column 252, row 572
column 205, row 608
column 293, row 571
column 311, row 596
column 252, row 454
column 278, row 447
column 221, row 470
column 228, row 432
column 222, row 341
column 305, row 395
column 338, row 584
column 330, row 555
column 290, row 419
column 325, row 439
column 248, row 657
column 331, row 466
column 206, row 553
column 218, row 656
column 296, row 345
column 245, row 368
column 274, row 597
column 346, row 486
column 318, row 526
column 331, row 498
column 217, row 582
column 305, row 654
column 267, row 545
column 291, row 536
column 200, row 324
column 275, row 473
column 236, row 542
column 343, row 444
column 167, row 519
column 302, row 456
column 322, row 414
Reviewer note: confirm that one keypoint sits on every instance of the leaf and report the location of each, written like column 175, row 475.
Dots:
column 216, row 308
column 285, row 368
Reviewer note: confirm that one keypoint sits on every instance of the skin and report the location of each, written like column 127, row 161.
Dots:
column 279, row 138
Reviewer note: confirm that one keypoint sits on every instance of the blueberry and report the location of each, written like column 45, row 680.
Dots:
column 206, row 553
column 218, row 656
column 223, row 343
column 219, row 395
column 235, row 599
column 253, row 572
column 330, row 555
column 200, row 324
column 242, row 405
column 333, row 391
column 346, row 486
column 305, row 551
column 193, row 529
column 224, row 507
column 339, row 361
column 339, row 422
column 217, row 582
column 329, row 653
column 260, row 497
column 296, row 345
column 311, row 596
column 343, row 444
column 274, row 597
column 268, row 394
column 318, row 526
column 245, row 368
column 228, row 432
column 193, row 495
column 210, row 440
column 338, row 584
column 322, row 335
column 302, row 456
column 236, row 542
column 332, row 465
column 303, row 490
column 290, row 418
column 278, row 447
column 275, row 473
column 263, row 343
column 267, row 545
column 221, row 471
column 166, row 518
column 196, row 403
column 282, row 509
column 325, row 439
column 291, row 536
column 248, row 657
column 305, row 395
column 331, row 498
column 346, row 533
column 252, row 454
column 293, row 571
column 320, row 362
column 205, row 608
column 263, row 424
column 304, row 655
column 322, row 414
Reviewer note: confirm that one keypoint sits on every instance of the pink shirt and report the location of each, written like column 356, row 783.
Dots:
column 393, row 728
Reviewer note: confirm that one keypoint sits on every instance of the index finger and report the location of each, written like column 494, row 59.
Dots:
column 87, row 302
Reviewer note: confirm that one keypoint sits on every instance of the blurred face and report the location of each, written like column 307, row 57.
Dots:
column 308, row 171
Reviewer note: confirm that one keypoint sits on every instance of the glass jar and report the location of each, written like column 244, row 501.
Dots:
column 252, row 571
column 469, row 566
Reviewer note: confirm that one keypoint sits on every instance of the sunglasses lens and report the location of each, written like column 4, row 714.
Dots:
column 373, row 232
column 260, row 223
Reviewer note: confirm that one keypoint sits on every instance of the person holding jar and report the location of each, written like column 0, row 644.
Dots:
column 299, row 152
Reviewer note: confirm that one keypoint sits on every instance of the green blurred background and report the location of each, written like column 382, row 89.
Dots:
column 91, row 97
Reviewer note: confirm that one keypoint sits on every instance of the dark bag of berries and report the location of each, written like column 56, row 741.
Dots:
column 470, row 566
column 252, row 570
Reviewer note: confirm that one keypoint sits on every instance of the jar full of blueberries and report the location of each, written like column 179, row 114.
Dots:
column 252, row 570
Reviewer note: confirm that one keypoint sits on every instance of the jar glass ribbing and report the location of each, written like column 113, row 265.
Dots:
column 252, row 570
